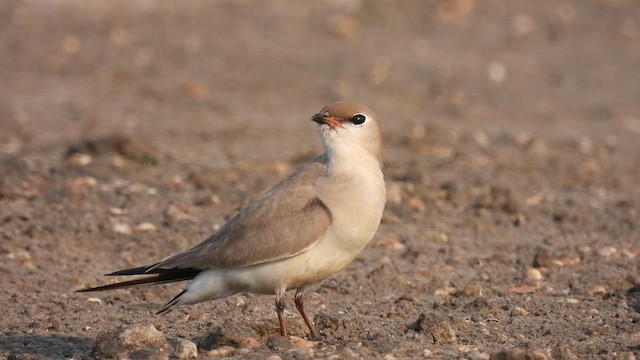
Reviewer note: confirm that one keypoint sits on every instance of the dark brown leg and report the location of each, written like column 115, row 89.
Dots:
column 280, row 310
column 300, row 306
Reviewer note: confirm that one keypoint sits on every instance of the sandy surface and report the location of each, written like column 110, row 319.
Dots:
column 130, row 130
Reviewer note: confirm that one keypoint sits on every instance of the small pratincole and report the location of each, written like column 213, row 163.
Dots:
column 306, row 228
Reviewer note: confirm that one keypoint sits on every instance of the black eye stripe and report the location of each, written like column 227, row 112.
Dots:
column 358, row 119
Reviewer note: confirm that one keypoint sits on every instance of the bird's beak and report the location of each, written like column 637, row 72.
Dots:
column 324, row 119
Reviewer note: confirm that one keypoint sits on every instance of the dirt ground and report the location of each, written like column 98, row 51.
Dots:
column 130, row 130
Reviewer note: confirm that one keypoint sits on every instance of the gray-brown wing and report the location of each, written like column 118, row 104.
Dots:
column 285, row 221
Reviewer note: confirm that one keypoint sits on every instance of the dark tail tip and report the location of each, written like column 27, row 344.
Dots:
column 170, row 305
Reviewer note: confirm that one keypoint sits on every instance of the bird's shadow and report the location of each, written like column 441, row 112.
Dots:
column 48, row 347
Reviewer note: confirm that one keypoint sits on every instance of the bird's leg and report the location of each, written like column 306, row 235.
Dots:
column 280, row 310
column 299, row 299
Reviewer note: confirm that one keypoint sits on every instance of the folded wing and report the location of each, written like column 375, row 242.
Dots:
column 285, row 221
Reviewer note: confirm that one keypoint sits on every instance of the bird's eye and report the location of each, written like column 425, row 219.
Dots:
column 358, row 120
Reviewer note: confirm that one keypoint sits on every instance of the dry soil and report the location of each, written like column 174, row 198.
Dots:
column 130, row 130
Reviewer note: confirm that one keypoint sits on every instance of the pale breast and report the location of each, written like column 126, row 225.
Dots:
column 356, row 200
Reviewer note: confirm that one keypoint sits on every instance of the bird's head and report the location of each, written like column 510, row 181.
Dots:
column 348, row 128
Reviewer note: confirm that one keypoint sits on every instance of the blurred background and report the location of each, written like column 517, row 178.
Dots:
column 174, row 71
column 131, row 129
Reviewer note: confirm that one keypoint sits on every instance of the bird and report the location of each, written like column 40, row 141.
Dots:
column 307, row 227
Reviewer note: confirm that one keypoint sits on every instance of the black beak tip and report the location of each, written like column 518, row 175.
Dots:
column 318, row 118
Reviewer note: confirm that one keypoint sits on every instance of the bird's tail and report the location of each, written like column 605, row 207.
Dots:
column 171, row 304
column 157, row 276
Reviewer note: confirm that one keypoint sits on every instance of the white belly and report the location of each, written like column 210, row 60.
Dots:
column 310, row 267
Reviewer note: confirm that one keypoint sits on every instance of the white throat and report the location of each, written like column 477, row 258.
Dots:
column 345, row 153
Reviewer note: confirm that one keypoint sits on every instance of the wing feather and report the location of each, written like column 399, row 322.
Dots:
column 287, row 220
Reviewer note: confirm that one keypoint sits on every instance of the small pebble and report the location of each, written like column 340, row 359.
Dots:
column 518, row 311
column 186, row 349
column 476, row 354
column 11, row 145
column 438, row 152
column 146, row 335
column 534, row 200
column 82, row 185
column 633, row 279
column 279, row 343
column 117, row 211
column 437, row 326
column 300, row 343
column 481, row 138
column 628, row 254
column 80, row 159
column 572, row 301
column 445, row 291
column 454, row 11
column 632, row 124
column 208, row 200
column 239, row 301
column 626, row 356
column 177, row 181
column 447, row 269
column 417, row 204
column 391, row 243
column 118, row 161
column 598, row 290
column 540, row 147
column 394, row 192
column 390, row 218
column 418, row 131
column 442, row 237
column 523, row 24
column 532, row 276
column 568, row 261
column 121, row 228
column 584, row 250
column 566, row 12
column 280, row 168
column 586, row 145
column 607, row 251
column 472, row 290
column 145, row 227
column 177, row 214
column 221, row 351
column 497, row 72
column 23, row 257
column 94, row 300
column 135, row 339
